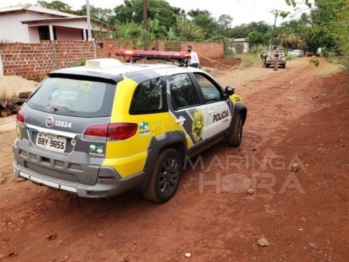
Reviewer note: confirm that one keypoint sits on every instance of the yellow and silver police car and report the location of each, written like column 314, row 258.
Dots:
column 108, row 127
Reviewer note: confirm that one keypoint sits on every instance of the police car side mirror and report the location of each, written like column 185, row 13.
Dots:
column 229, row 90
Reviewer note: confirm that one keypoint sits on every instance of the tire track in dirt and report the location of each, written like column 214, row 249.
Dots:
column 279, row 103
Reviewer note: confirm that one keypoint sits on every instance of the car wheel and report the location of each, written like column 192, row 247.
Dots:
column 166, row 176
column 235, row 136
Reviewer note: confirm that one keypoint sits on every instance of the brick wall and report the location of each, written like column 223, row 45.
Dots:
column 203, row 49
column 210, row 50
column 34, row 61
column 106, row 47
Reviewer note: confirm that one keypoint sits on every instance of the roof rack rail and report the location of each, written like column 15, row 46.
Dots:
column 133, row 56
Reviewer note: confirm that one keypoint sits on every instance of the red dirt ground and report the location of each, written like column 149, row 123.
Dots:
column 221, row 63
column 294, row 116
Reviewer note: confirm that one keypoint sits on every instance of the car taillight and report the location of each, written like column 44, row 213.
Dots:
column 98, row 131
column 113, row 131
column 121, row 131
column 20, row 118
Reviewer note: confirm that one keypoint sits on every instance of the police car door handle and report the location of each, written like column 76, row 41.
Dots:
column 180, row 120
column 211, row 112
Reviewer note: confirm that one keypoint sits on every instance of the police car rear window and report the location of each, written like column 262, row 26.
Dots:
column 74, row 97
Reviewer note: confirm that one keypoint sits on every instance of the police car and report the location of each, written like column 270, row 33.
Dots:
column 109, row 127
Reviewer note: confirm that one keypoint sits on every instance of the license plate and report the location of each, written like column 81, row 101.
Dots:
column 51, row 142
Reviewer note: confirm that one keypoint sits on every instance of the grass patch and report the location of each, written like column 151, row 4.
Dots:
column 77, row 63
column 3, row 95
column 248, row 60
column 290, row 57
column 330, row 69
column 245, row 64
column 6, row 96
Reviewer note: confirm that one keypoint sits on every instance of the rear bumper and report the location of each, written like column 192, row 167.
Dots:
column 75, row 172
column 271, row 62
column 102, row 189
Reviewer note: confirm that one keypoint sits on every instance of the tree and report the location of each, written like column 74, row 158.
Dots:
column 179, row 11
column 225, row 22
column 159, row 31
column 330, row 25
column 290, row 41
column 132, row 34
column 300, row 28
column 207, row 24
column 132, row 10
column 277, row 13
column 240, row 31
column 261, row 27
column 188, row 30
column 327, row 26
column 102, row 14
column 194, row 13
column 56, row 5
column 255, row 38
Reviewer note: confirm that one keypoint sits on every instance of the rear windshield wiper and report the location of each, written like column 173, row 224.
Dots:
column 56, row 108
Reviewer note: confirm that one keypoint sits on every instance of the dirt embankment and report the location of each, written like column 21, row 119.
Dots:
column 10, row 88
column 294, row 155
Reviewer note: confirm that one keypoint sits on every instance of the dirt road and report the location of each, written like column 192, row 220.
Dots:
column 296, row 120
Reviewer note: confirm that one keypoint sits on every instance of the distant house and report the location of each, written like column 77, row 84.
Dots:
column 240, row 45
column 31, row 24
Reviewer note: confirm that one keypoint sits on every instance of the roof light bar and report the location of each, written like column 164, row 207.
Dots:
column 160, row 55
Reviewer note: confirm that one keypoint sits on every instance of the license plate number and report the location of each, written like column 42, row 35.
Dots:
column 51, row 142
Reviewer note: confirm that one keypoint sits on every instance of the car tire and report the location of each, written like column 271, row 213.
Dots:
column 235, row 136
column 166, row 176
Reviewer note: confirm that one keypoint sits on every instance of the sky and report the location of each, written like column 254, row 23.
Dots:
column 242, row 11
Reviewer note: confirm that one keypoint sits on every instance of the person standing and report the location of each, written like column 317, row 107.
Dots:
column 194, row 58
column 264, row 59
column 276, row 58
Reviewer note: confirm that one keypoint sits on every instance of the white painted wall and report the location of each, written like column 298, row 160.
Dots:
column 12, row 29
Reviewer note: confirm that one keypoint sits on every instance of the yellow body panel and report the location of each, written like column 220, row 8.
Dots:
column 236, row 98
column 128, row 166
column 123, row 96
column 129, row 156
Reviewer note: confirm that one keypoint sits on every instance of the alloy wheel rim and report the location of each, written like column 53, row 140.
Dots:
column 168, row 177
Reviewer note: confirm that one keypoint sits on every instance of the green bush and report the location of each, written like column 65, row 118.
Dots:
column 314, row 60
column 77, row 63
column 289, row 58
column 257, row 49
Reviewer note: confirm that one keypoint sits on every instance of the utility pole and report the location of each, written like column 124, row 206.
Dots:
column 276, row 14
column 89, row 37
column 145, row 21
column 145, row 14
column 89, row 31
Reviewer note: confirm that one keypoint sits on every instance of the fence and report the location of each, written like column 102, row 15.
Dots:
column 34, row 61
